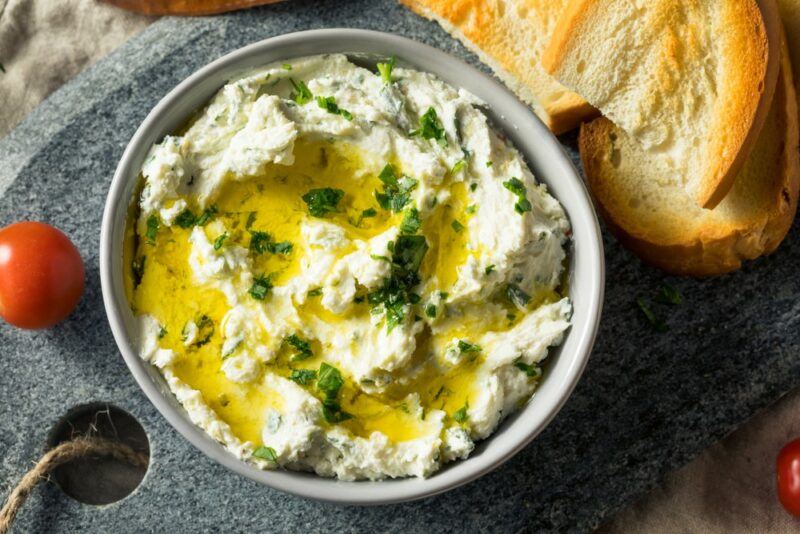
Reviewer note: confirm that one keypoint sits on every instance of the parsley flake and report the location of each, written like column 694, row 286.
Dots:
column 208, row 214
column 323, row 201
column 517, row 296
column 385, row 70
column 461, row 414
column 260, row 288
column 303, row 376
column 301, row 94
column 329, row 104
column 185, row 219
column 430, row 310
column 266, row 453
column 457, row 226
column 516, row 186
column 152, row 229
column 220, row 240
column 488, row 270
column 286, row 66
column 656, row 322
column 407, row 255
column 430, row 127
column 669, row 295
column 411, row 222
column 533, row 371
column 466, row 348
column 396, row 191
column 302, row 347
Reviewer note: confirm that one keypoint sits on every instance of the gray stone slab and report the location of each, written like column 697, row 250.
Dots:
column 647, row 403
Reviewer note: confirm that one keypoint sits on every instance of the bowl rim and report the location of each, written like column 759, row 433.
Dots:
column 527, row 424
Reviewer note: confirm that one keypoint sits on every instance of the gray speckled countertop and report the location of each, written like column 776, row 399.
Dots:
column 647, row 403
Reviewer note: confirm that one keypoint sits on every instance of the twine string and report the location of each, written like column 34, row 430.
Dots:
column 65, row 452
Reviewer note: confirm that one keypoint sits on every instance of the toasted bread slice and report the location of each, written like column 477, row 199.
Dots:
column 650, row 212
column 691, row 80
column 509, row 36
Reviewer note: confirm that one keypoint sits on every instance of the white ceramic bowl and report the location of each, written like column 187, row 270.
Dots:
column 542, row 152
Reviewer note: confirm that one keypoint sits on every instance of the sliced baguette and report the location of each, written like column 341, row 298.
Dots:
column 691, row 80
column 509, row 36
column 651, row 213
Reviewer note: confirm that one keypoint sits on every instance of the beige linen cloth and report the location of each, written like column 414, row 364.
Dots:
column 729, row 488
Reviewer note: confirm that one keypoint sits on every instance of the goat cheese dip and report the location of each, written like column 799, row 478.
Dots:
column 345, row 271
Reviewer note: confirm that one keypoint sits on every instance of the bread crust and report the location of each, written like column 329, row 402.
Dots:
column 711, row 249
column 478, row 25
column 741, row 113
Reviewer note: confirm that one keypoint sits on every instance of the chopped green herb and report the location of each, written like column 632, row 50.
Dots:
column 152, row 229
column 2, row 68
column 516, row 186
column 461, row 414
column 162, row 331
column 316, row 292
column 489, row 270
column 185, row 219
column 261, row 242
column 489, row 163
column 137, row 270
column 396, row 191
column 220, row 240
column 407, row 255
column 330, row 380
column 301, row 94
column 385, row 70
column 430, row 310
column 286, row 66
column 333, row 413
column 517, row 296
column 260, row 288
column 323, row 201
column 379, row 257
column 366, row 214
column 266, row 453
column 457, row 226
column 669, row 295
column 302, row 347
column 205, row 329
column 466, row 348
column 430, row 127
column 533, row 371
column 459, row 165
column 303, row 376
column 471, row 209
column 208, row 214
column 411, row 222
column 656, row 322
column 329, row 103
column 473, row 186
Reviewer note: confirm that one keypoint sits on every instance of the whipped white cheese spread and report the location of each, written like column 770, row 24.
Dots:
column 346, row 271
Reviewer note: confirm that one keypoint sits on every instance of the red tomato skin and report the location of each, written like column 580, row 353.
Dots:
column 41, row 275
column 788, row 477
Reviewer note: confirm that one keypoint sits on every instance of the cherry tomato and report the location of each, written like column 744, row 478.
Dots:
column 41, row 275
column 788, row 472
